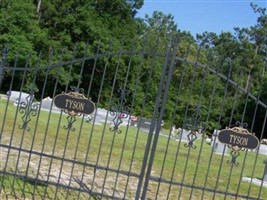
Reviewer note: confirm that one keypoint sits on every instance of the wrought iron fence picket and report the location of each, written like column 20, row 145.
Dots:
column 66, row 152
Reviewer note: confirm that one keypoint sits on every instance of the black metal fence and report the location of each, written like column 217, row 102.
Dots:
column 129, row 124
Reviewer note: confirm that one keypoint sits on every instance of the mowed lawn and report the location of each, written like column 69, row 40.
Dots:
column 99, row 157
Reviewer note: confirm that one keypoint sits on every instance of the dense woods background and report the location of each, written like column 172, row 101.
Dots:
column 73, row 26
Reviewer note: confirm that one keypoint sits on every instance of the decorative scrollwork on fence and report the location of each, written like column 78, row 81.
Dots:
column 74, row 104
column 194, row 126
column 191, row 138
column 27, row 109
column 238, row 138
column 119, row 111
column 69, row 126
column 242, row 129
column 234, row 154
column 72, row 114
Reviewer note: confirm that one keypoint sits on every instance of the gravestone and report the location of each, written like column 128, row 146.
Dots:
column 259, row 182
column 102, row 116
column 208, row 140
column 218, row 147
column 265, row 171
column 17, row 96
column 175, row 132
column 263, row 149
column 98, row 117
column 199, row 135
column 134, row 121
column 46, row 103
column 145, row 124
column 98, row 120
column 183, row 135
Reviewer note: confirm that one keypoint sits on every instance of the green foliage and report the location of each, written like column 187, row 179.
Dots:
column 20, row 30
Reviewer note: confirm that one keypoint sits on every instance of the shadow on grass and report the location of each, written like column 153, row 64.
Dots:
column 15, row 186
column 18, row 187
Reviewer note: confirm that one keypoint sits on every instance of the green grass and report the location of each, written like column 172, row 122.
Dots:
column 95, row 144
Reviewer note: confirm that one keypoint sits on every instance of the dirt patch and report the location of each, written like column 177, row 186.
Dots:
column 66, row 174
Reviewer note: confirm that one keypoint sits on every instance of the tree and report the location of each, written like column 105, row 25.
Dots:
column 19, row 28
column 256, row 37
column 71, row 21
column 34, row 26
column 246, row 50
column 20, row 35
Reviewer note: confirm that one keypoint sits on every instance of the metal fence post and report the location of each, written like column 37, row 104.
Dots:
column 2, row 66
column 151, row 130
column 265, row 171
column 160, row 107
